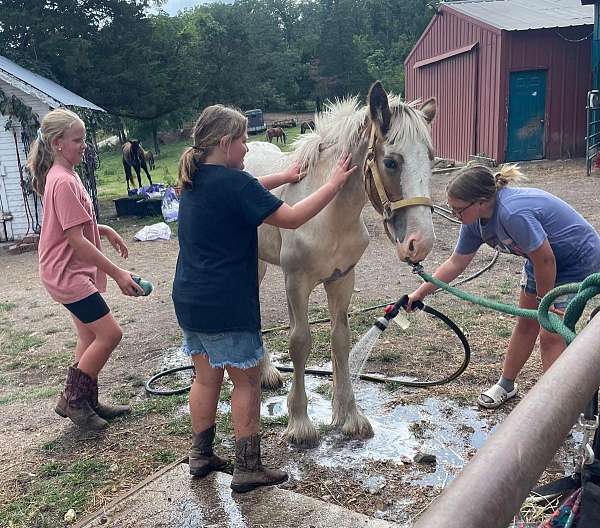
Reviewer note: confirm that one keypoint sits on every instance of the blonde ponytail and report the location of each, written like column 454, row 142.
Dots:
column 477, row 182
column 39, row 161
column 41, row 155
column 508, row 174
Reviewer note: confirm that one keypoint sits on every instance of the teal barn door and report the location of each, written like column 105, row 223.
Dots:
column 526, row 115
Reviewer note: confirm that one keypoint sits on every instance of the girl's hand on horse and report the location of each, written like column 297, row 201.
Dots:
column 293, row 174
column 342, row 171
column 126, row 283
column 116, row 241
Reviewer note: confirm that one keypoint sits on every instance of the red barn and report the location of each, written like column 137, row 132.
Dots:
column 510, row 76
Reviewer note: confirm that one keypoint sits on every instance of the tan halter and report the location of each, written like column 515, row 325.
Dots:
column 370, row 169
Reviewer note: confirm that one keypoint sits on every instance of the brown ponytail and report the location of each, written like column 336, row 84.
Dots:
column 215, row 123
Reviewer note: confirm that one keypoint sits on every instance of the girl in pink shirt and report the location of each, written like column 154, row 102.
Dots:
column 72, row 266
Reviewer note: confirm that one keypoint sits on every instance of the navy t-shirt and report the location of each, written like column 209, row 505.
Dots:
column 216, row 280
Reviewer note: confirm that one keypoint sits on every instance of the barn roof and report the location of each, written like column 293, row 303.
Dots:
column 50, row 92
column 519, row 15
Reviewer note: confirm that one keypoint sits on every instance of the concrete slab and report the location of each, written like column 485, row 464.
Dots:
column 171, row 499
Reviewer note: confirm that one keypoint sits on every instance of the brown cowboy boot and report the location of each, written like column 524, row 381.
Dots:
column 108, row 412
column 202, row 459
column 75, row 401
column 249, row 473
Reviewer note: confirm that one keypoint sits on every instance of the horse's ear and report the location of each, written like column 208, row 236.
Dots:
column 429, row 109
column 379, row 109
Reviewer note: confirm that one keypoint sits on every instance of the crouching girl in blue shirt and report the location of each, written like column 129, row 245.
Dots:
column 215, row 291
column 558, row 244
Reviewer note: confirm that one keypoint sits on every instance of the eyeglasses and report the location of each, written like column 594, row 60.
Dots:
column 459, row 212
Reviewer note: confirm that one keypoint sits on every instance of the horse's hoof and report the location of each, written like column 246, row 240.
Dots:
column 271, row 379
column 306, row 437
column 358, row 427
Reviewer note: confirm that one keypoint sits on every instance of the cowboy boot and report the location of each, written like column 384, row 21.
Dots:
column 75, row 401
column 108, row 412
column 202, row 459
column 249, row 473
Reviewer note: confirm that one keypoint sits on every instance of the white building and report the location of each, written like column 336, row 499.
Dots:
column 20, row 211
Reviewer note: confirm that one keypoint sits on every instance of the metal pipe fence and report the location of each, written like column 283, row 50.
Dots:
column 493, row 485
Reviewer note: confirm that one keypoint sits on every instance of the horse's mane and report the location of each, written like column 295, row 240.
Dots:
column 340, row 128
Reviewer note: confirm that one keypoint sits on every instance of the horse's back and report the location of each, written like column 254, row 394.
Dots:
column 264, row 158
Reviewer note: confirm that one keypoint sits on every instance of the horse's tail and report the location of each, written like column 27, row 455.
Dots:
column 283, row 134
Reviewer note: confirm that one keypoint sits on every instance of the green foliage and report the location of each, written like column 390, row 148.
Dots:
column 159, row 70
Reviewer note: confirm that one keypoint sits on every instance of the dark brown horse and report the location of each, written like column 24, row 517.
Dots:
column 134, row 156
column 276, row 133
column 307, row 125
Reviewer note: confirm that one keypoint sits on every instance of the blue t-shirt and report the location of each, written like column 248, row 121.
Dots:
column 216, row 280
column 523, row 218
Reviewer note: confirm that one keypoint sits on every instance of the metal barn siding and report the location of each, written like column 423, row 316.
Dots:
column 565, row 55
column 457, row 60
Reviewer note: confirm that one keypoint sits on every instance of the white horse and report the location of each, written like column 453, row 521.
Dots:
column 390, row 142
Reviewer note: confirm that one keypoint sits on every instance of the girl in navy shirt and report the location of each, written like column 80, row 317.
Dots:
column 215, row 291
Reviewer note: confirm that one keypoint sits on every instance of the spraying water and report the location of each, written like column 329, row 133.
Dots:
column 362, row 349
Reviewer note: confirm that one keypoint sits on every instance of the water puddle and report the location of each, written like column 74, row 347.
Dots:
column 442, row 428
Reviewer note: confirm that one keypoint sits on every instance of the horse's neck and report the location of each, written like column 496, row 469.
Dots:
column 352, row 197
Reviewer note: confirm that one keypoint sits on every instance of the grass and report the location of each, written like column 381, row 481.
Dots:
column 7, row 306
column 15, row 343
column 164, row 456
column 160, row 404
column 29, row 394
column 60, row 486
column 111, row 178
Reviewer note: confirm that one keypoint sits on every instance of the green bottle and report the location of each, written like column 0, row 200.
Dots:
column 144, row 284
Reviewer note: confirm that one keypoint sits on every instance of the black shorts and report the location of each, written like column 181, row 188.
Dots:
column 89, row 309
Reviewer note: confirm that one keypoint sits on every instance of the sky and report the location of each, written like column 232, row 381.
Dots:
column 173, row 6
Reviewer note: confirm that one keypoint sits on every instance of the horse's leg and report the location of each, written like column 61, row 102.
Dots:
column 139, row 177
column 300, row 430
column 143, row 165
column 345, row 412
column 128, row 177
column 270, row 377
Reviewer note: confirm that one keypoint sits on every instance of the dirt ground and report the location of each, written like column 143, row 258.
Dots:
column 38, row 449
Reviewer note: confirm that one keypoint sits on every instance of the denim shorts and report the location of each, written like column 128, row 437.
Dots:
column 529, row 286
column 242, row 350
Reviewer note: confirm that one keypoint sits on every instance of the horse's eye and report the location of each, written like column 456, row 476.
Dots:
column 390, row 163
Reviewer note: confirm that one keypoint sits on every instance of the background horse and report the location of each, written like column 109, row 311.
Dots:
column 307, row 125
column 394, row 137
column 149, row 156
column 134, row 156
column 276, row 133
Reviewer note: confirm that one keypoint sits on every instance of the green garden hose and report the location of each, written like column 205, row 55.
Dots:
column 584, row 291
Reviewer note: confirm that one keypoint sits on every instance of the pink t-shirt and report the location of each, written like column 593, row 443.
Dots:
column 67, row 204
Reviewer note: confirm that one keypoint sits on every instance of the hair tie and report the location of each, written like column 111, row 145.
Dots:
column 40, row 136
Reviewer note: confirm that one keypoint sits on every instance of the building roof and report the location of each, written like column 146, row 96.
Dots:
column 519, row 15
column 50, row 92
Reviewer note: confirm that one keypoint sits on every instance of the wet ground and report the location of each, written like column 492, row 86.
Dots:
column 172, row 500
column 446, row 430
